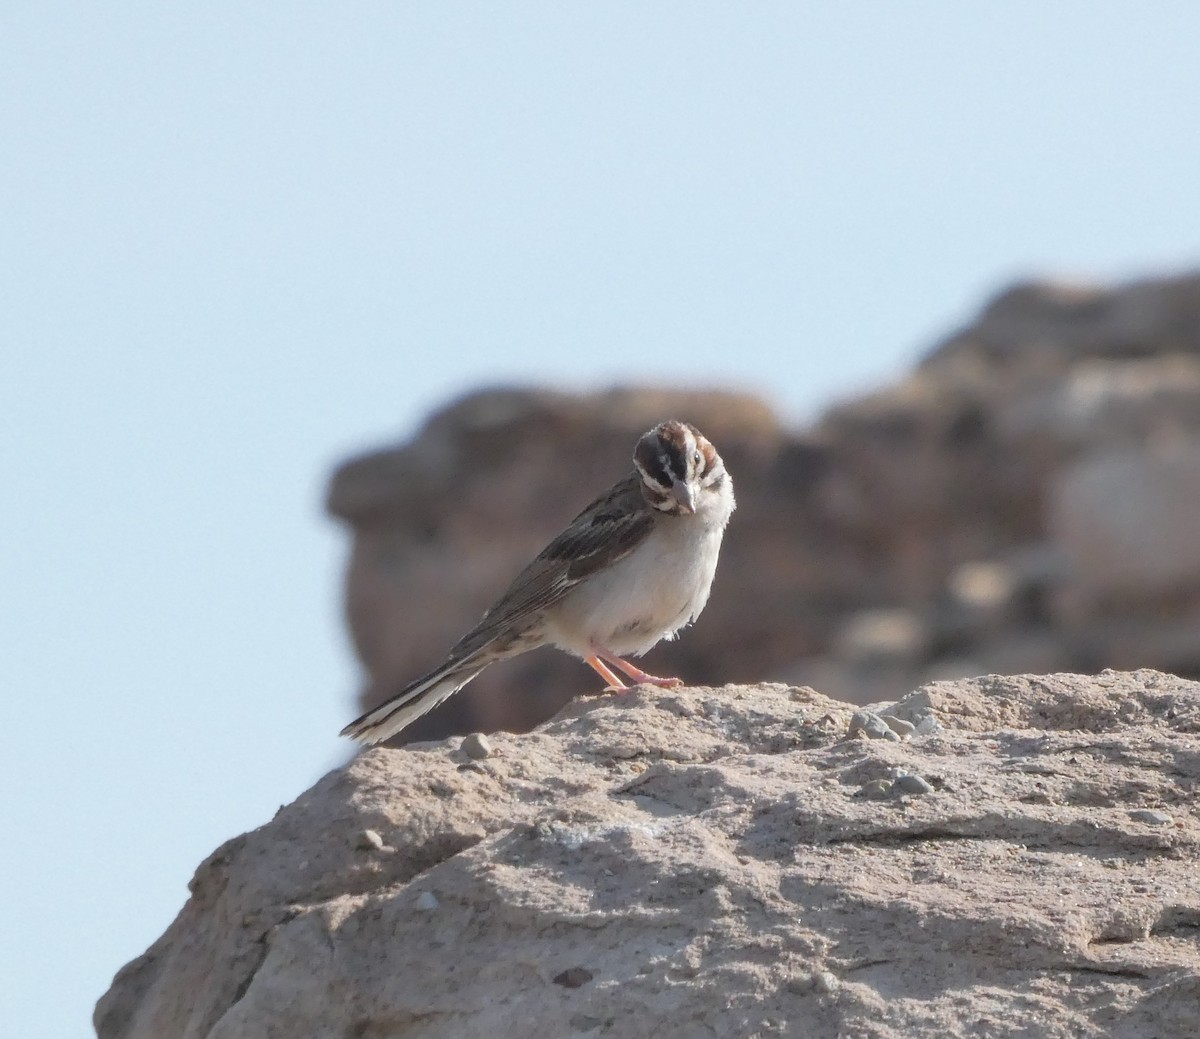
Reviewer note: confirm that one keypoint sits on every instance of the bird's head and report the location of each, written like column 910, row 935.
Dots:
column 681, row 471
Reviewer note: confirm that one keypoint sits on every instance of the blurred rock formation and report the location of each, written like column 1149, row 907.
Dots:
column 1023, row 501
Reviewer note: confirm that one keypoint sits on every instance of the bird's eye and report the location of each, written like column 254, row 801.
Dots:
column 696, row 460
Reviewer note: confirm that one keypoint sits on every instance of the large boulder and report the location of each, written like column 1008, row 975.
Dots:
column 998, row 856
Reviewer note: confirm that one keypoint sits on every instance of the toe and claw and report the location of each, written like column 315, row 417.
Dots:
column 600, row 660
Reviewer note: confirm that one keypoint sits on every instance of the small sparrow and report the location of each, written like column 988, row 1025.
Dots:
column 633, row 568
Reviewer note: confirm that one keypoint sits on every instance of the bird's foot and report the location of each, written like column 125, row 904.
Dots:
column 662, row 683
column 639, row 676
column 615, row 685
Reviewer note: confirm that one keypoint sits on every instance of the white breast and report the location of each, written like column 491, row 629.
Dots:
column 651, row 593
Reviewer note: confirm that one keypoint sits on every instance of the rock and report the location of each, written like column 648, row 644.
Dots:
column 735, row 885
column 882, row 635
column 869, row 724
column 899, row 726
column 876, row 789
column 1100, row 404
column 983, row 586
column 910, row 783
column 573, row 977
column 1127, row 523
column 825, row 981
column 476, row 746
column 913, row 708
column 1151, row 817
column 927, row 725
column 1070, row 321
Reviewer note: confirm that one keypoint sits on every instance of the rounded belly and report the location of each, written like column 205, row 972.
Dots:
column 629, row 608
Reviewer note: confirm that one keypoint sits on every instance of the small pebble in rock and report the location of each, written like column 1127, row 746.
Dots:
column 427, row 902
column 584, row 1022
column 573, row 977
column 928, row 724
column 871, row 726
column 876, row 790
column 369, row 839
column 824, row 981
column 1151, row 817
column 899, row 726
column 799, row 983
column 476, row 746
column 911, row 784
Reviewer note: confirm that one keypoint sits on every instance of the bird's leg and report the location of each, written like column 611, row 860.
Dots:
column 615, row 685
column 636, row 673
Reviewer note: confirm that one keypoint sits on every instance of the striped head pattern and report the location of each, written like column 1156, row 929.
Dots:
column 678, row 466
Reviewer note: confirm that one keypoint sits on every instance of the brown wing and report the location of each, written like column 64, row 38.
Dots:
column 606, row 531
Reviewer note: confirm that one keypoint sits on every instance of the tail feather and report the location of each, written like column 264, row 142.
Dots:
column 407, row 706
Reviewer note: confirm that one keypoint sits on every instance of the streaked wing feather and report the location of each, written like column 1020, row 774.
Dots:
column 606, row 531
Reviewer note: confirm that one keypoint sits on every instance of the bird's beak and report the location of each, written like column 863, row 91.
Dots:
column 685, row 494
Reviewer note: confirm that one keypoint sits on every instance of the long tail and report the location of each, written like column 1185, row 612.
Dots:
column 409, row 704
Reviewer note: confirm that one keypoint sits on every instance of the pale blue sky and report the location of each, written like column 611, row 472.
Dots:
column 238, row 244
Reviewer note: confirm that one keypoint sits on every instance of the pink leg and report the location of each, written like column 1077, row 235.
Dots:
column 614, row 683
column 636, row 673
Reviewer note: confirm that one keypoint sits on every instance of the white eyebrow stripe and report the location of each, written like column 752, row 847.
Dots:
column 650, row 480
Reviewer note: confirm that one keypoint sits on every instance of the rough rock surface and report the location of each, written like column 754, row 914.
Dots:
column 1020, row 857
column 1021, row 501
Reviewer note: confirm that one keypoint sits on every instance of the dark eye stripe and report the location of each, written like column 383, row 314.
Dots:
column 677, row 460
column 661, row 473
column 651, row 464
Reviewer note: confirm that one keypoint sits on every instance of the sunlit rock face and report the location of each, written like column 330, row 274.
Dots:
column 1003, row 856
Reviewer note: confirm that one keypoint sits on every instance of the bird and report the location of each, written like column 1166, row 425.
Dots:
column 631, row 569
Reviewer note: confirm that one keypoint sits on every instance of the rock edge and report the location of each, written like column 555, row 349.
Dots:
column 1021, row 855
